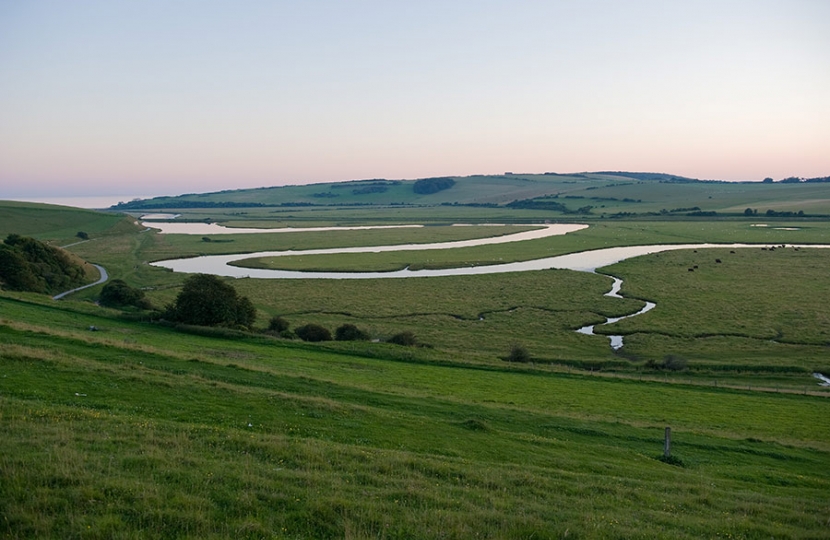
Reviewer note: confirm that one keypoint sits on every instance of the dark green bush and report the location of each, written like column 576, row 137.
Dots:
column 118, row 294
column 350, row 332
column 313, row 332
column 404, row 338
column 206, row 300
column 277, row 325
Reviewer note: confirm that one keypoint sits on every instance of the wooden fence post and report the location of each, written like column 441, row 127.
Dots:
column 667, row 443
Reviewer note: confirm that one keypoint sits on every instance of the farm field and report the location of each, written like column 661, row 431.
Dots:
column 142, row 429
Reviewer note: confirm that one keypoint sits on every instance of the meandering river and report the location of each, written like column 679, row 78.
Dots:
column 584, row 261
column 219, row 264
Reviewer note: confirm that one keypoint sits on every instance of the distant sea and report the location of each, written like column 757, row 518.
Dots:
column 98, row 202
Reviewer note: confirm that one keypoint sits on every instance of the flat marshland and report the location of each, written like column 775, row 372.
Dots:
column 144, row 430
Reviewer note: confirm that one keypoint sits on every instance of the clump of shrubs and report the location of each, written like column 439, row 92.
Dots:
column 206, row 300
column 313, row 332
column 350, row 332
column 406, row 339
column 117, row 294
column 277, row 325
column 30, row 265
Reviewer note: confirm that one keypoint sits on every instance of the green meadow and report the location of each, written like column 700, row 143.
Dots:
column 142, row 429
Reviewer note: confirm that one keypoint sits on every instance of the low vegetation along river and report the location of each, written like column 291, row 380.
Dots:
column 585, row 261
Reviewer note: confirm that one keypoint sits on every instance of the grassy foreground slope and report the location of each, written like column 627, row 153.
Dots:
column 139, row 431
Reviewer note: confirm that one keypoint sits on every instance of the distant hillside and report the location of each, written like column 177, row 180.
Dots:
column 479, row 189
column 658, row 177
column 58, row 223
column 600, row 194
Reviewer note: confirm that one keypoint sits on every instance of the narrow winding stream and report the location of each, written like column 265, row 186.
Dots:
column 616, row 341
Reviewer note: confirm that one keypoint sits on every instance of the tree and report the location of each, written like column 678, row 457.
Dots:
column 768, row 180
column 750, row 212
column 313, row 332
column 118, row 294
column 82, row 235
column 350, row 332
column 206, row 300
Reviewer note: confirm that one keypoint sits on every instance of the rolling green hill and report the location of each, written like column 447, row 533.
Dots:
column 60, row 224
column 597, row 194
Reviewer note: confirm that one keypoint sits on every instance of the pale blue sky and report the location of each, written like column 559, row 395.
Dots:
column 170, row 97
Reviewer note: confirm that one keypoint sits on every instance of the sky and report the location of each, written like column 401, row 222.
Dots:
column 175, row 96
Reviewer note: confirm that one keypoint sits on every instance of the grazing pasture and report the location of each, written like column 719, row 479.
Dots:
column 139, row 430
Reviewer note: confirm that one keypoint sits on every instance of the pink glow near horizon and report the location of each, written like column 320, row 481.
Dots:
column 100, row 97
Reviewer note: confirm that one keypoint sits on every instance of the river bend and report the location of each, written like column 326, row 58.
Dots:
column 585, row 261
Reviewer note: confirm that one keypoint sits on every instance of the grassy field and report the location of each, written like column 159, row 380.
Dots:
column 139, row 431
column 767, row 307
column 60, row 224
column 142, row 430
